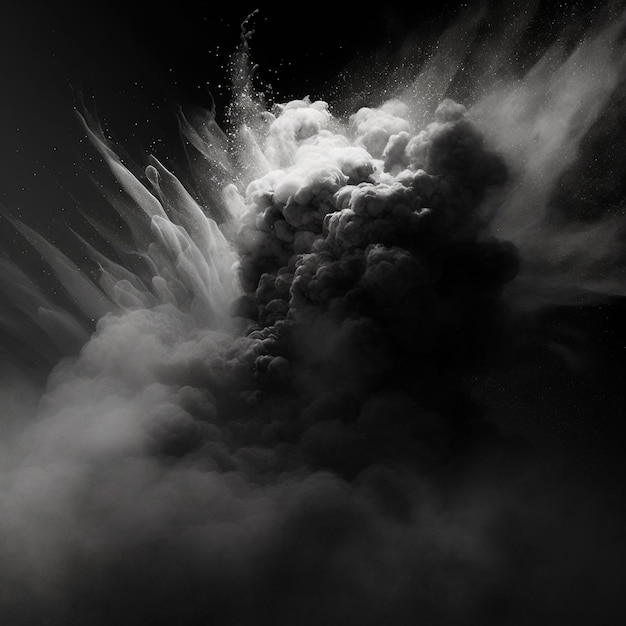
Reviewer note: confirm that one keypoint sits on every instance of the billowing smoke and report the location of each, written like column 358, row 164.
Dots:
column 264, row 414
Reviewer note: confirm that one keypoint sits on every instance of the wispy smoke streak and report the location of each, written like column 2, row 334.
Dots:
column 272, row 421
column 538, row 123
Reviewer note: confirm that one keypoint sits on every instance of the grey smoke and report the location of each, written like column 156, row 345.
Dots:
column 272, row 422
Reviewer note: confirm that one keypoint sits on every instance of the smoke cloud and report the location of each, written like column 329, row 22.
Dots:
column 264, row 413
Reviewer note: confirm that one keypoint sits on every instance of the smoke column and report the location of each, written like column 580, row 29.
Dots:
column 261, row 410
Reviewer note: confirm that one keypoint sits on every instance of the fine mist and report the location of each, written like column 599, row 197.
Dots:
column 262, row 410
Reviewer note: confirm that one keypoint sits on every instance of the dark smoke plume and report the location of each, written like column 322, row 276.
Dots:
column 264, row 413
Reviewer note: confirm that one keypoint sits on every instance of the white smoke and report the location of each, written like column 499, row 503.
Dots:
column 269, row 422
column 539, row 122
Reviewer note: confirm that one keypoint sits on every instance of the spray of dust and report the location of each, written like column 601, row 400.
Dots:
column 271, row 421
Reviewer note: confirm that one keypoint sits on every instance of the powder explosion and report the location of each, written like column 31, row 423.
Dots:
column 272, row 420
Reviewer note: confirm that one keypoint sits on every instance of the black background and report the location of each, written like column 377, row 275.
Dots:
column 135, row 62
